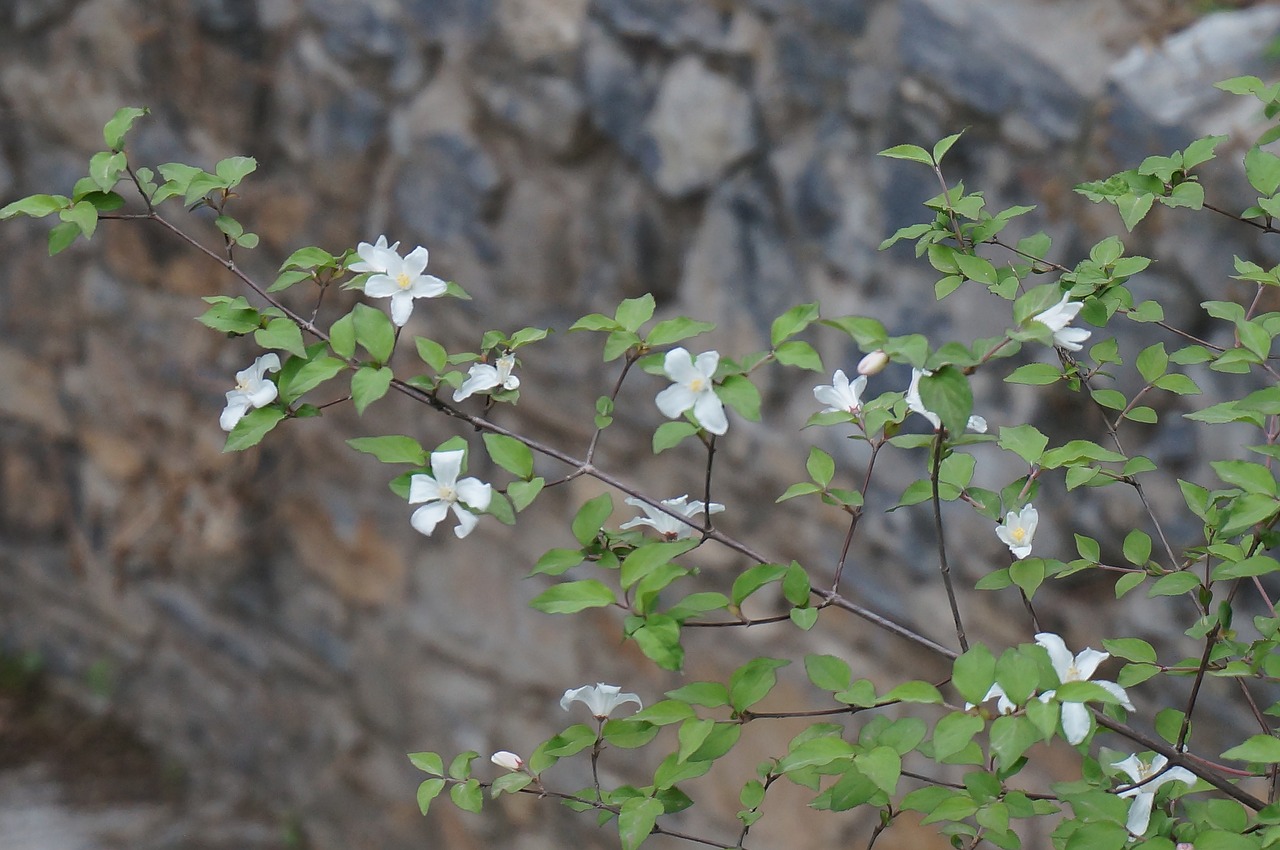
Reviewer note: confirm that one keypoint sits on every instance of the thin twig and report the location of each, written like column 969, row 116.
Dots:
column 942, row 543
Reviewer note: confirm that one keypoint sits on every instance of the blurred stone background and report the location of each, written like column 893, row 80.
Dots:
column 207, row 650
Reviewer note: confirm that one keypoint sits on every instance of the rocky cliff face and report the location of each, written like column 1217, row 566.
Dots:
column 267, row 621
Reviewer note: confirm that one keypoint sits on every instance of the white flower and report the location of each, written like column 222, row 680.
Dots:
column 364, row 265
column 1018, row 530
column 1004, row 705
column 482, row 377
column 693, row 387
column 445, row 491
column 1058, row 317
column 842, row 395
column 665, row 524
column 1075, row 717
column 399, row 278
column 600, row 700
column 976, row 423
column 1145, row 793
column 873, row 363
column 253, row 390
column 507, row 760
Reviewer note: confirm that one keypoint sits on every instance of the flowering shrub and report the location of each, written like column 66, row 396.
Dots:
column 1158, row 789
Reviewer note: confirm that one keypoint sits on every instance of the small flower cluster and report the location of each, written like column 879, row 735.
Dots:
column 666, row 525
column 1070, row 668
column 600, row 699
column 401, row 279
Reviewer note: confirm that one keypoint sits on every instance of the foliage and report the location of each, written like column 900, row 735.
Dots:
column 898, row 749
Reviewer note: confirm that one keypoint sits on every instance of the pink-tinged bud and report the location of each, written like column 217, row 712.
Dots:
column 507, row 760
column 873, row 362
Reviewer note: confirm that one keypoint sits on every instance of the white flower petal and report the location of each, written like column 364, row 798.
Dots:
column 675, row 400
column 475, row 493
column 1086, row 663
column 1075, row 722
column 1140, row 813
column 401, row 308
column 446, row 466
column 426, row 518
column 423, row 488
column 709, row 411
column 380, row 286
column 233, row 413
column 678, row 364
column 480, row 377
column 1059, row 655
column 466, row 520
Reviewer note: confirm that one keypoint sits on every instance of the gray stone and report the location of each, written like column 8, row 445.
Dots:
column 619, row 89
column 1163, row 97
column 962, row 49
column 740, row 268
column 701, row 124
column 346, row 125
column 354, row 29
column 547, row 110
column 673, row 23
column 444, row 190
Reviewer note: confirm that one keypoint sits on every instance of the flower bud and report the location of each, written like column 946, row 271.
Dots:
column 873, row 362
column 507, row 760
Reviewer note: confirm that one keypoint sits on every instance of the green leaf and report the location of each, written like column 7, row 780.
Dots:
column 1256, row 565
column 1262, row 168
column 1137, row 547
column 391, row 449
column 1174, row 584
column 468, row 796
column 114, row 131
column 510, row 454
column 946, row 392
column 914, row 691
column 369, row 384
column 1245, row 512
column 61, row 236
column 428, row 763
column 1250, row 477
column 1131, row 649
column 250, row 430
column 792, row 322
column 821, row 467
column 634, row 312
column 940, row 149
column 234, row 169
column 342, row 336
column 523, row 493
column 754, row 578
column 1152, row 362
column 671, row 434
column 803, row 488
column 804, row 618
column 83, row 215
column 590, row 518
column 883, row 766
column 311, row 375
column 1036, row 374
column 574, row 596
column 1134, row 208
column 281, row 334
column 675, row 330
column 1258, row 748
column 915, row 153
column 977, row 268
column 1025, row 441
column 828, row 672
column 973, row 672
column 427, row 792
column 752, row 682
column 105, row 168
column 953, row 733
column 432, row 353
column 636, row 820
column 374, row 332
column 800, row 354
column 644, row 560
column 556, row 562
column 706, row 694
column 34, row 206
column 739, row 393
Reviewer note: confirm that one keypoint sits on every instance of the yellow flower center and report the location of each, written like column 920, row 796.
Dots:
column 448, row 494
column 403, row 280
column 1018, row 535
column 697, row 385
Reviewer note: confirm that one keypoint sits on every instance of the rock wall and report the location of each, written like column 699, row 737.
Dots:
column 267, row 622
